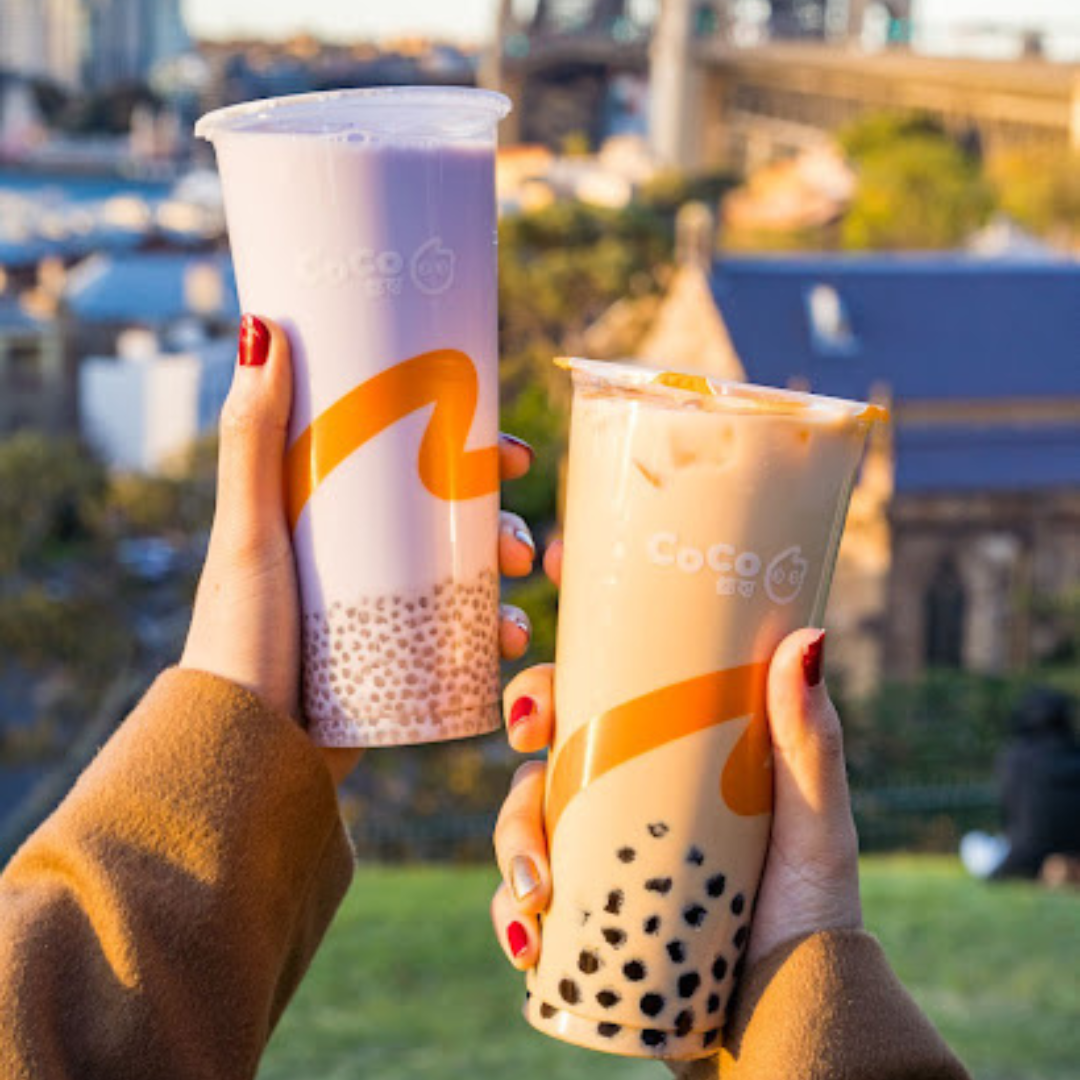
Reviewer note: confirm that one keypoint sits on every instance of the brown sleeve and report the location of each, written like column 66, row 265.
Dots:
column 156, row 925
column 828, row 1007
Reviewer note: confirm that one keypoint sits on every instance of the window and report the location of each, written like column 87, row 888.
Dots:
column 943, row 611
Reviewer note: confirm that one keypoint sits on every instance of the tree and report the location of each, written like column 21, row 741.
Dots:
column 1040, row 188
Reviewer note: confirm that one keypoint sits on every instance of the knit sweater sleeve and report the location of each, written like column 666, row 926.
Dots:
column 158, row 922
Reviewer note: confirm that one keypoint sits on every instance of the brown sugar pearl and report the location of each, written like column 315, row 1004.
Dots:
column 651, row 1004
column 569, row 992
column 588, row 962
column 634, row 970
column 608, row 999
column 715, row 886
column 684, row 1023
column 615, row 937
column 688, row 984
column 608, row 1031
column 615, row 901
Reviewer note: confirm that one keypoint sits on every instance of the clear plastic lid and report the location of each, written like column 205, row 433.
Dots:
column 701, row 391
column 385, row 114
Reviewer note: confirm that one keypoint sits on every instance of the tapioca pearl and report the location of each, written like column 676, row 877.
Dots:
column 695, row 856
column 712, row 1004
column 626, row 854
column 684, row 1023
column 710, row 1037
column 615, row 901
column 659, row 829
column 634, row 970
column 569, row 992
column 588, row 962
column 738, row 903
column 688, row 984
column 677, row 951
column 651, row 925
column 653, row 1039
column 651, row 1004
column 615, row 937
column 715, row 885
column 547, row 1011
column 694, row 915
column 740, row 936
column 608, row 1031
column 719, row 968
column 608, row 999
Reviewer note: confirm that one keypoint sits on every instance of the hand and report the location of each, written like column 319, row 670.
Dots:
column 246, row 622
column 810, row 882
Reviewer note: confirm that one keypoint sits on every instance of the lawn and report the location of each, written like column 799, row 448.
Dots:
column 410, row 984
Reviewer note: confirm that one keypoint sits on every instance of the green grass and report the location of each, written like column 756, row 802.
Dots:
column 411, row 985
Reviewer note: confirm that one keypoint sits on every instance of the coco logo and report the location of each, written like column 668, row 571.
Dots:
column 738, row 573
column 432, row 268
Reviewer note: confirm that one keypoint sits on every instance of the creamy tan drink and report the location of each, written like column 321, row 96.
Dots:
column 702, row 525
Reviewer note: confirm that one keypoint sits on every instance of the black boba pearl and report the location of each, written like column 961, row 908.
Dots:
column 547, row 1011
column 609, row 1031
column 652, row 924
column 661, row 885
column 710, row 1037
column 608, row 998
column 713, row 1004
column 715, row 885
column 652, row 1004
column 738, row 903
column 615, row 937
column 695, row 856
column 634, row 970
column 653, row 1038
column 684, row 1022
column 569, row 992
column 626, row 854
column 677, row 951
column 614, row 902
column 688, row 984
column 658, row 829
column 694, row 914
column 740, row 937
column 588, row 962
column 719, row 968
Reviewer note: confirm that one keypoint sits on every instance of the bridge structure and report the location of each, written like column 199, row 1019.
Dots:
column 719, row 99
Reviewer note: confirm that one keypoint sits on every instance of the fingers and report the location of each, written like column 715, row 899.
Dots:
column 254, row 422
column 517, row 549
column 519, row 934
column 520, row 843
column 515, row 632
column 515, row 457
column 553, row 558
column 528, row 704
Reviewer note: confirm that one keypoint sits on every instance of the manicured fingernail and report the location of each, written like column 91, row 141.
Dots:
column 514, row 441
column 522, row 709
column 254, row 342
column 518, row 618
column 524, row 880
column 811, row 660
column 525, row 537
column 517, row 938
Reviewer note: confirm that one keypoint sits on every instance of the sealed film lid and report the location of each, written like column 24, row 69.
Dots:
column 686, row 386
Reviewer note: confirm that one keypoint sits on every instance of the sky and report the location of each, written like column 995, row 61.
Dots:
column 473, row 20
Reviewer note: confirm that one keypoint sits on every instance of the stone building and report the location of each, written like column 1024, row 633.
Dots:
column 964, row 531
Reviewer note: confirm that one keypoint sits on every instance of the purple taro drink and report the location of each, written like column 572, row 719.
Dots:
column 364, row 223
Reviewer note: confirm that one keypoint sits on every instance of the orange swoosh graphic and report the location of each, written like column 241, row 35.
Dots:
column 655, row 719
column 446, row 378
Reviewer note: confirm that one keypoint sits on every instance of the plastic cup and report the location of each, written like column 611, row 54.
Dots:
column 702, row 526
column 364, row 222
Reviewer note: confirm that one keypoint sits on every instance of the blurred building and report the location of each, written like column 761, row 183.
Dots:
column 966, row 523
column 90, row 43
column 35, row 388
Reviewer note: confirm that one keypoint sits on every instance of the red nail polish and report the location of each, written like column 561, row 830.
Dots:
column 254, row 342
column 811, row 660
column 517, row 938
column 513, row 440
column 523, row 708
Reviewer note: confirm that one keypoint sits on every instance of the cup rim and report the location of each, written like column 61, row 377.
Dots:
column 485, row 107
column 721, row 394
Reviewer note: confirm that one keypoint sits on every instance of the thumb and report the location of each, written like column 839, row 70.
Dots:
column 812, row 805
column 254, row 423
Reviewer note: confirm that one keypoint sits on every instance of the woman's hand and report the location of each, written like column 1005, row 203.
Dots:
column 246, row 622
column 810, row 882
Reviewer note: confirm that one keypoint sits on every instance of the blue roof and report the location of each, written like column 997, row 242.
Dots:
column 931, row 327
column 146, row 288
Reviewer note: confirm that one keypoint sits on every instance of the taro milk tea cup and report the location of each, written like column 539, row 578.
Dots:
column 364, row 222
column 702, row 524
